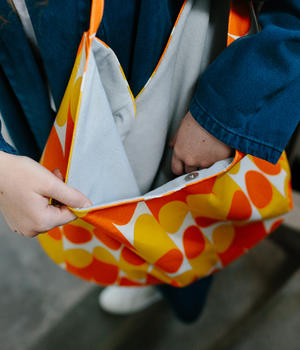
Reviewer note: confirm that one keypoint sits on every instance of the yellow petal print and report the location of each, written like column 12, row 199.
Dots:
column 223, row 236
column 52, row 247
column 204, row 262
column 217, row 204
column 155, row 272
column 75, row 97
column 186, row 278
column 134, row 272
column 150, row 238
column 171, row 216
column 235, row 169
column 103, row 255
column 78, row 257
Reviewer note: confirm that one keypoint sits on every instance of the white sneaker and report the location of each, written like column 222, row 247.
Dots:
column 127, row 300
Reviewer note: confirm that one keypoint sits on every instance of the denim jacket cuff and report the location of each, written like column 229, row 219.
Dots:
column 242, row 142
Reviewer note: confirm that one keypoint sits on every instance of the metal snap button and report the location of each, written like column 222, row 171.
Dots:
column 191, row 176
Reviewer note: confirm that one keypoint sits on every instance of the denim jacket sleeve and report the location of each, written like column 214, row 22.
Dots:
column 6, row 147
column 249, row 97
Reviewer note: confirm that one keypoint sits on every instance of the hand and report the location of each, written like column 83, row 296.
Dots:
column 25, row 190
column 195, row 148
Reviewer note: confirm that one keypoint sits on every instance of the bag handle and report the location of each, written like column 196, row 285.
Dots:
column 242, row 20
column 96, row 16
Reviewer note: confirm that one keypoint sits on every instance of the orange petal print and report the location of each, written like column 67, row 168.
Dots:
column 107, row 239
column 131, row 257
column 259, row 189
column 203, row 221
column 175, row 284
column 193, row 242
column 245, row 238
column 53, row 155
column 55, row 233
column 105, row 266
column 69, row 134
column 129, row 283
column 267, row 167
column 85, row 273
column 171, row 261
column 120, row 215
column 76, row 234
column 104, row 273
column 203, row 187
column 240, row 207
column 276, row 225
column 151, row 280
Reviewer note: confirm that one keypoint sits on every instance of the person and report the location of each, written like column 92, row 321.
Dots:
column 241, row 102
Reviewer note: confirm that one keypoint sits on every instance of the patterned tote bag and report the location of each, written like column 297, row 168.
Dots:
column 145, row 226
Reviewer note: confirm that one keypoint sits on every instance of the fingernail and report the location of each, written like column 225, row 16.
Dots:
column 87, row 204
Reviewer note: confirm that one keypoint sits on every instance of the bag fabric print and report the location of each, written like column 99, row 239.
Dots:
column 145, row 227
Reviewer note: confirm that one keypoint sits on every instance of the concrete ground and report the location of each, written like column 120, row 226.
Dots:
column 34, row 293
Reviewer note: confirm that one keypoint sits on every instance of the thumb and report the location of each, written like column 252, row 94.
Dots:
column 68, row 195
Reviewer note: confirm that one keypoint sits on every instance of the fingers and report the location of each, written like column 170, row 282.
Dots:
column 181, row 164
column 45, row 218
column 194, row 148
column 58, row 174
column 70, row 196
column 180, row 168
column 190, row 169
column 177, row 165
column 65, row 194
column 58, row 213
column 40, row 219
column 26, row 187
column 53, row 217
column 58, row 216
column 172, row 143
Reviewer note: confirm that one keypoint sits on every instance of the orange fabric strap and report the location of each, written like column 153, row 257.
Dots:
column 96, row 16
column 239, row 22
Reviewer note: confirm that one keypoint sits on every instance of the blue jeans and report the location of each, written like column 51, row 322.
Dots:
column 187, row 303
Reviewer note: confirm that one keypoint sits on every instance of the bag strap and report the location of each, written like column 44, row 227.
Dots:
column 96, row 16
column 242, row 20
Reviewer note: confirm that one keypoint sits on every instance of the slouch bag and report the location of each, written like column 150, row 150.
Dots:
column 145, row 226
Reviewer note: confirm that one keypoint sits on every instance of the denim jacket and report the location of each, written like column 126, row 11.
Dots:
column 248, row 98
